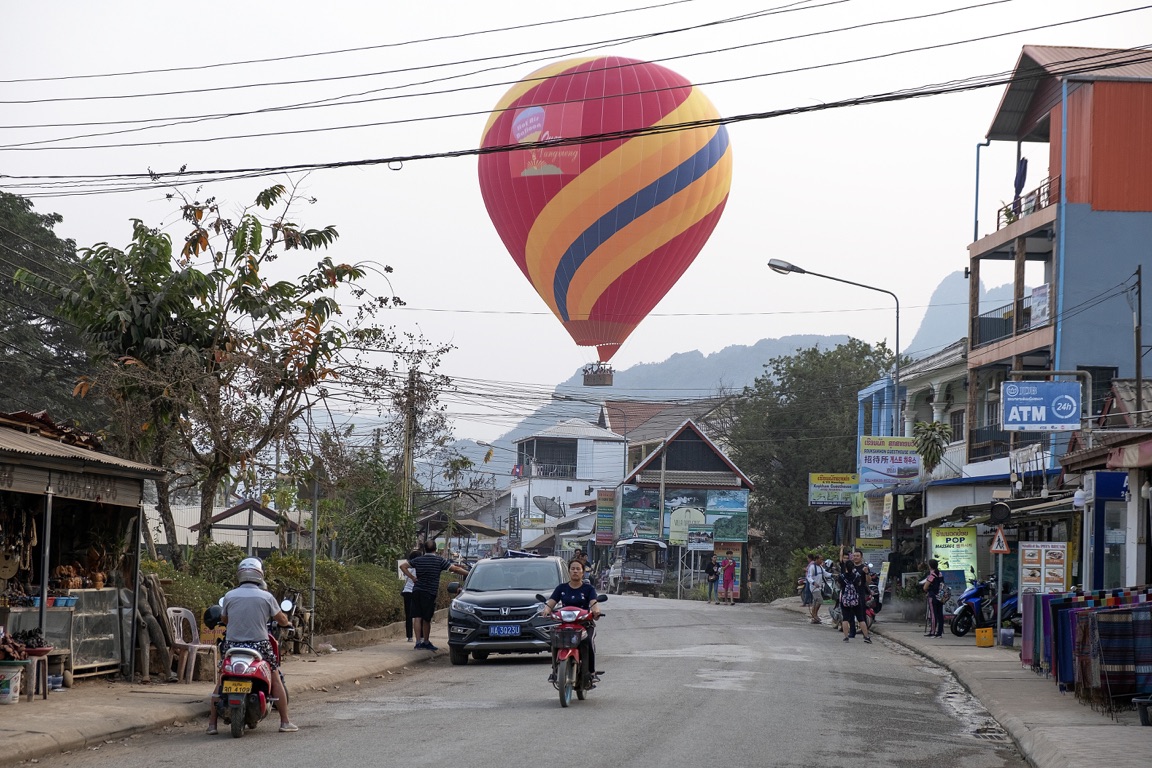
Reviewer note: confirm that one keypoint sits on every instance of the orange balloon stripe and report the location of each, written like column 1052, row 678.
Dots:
column 636, row 240
column 517, row 91
column 605, row 185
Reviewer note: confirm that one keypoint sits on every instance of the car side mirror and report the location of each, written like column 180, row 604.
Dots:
column 453, row 587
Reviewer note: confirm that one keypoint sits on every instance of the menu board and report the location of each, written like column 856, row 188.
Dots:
column 1043, row 566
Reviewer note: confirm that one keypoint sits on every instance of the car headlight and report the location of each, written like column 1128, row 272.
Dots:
column 463, row 607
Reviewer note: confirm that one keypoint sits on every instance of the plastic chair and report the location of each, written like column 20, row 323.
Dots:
column 186, row 643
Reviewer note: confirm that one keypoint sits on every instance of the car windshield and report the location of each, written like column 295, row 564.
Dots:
column 508, row 574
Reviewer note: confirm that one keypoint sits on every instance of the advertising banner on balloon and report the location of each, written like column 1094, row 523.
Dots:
column 600, row 205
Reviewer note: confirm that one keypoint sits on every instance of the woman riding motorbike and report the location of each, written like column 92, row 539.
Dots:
column 246, row 612
column 576, row 592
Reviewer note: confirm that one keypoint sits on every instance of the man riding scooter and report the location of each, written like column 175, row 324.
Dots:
column 246, row 612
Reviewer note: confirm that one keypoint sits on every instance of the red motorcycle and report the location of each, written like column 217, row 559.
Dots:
column 245, row 696
column 570, row 672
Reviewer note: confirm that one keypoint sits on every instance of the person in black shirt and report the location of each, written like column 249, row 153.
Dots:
column 712, row 571
column 428, row 568
column 577, row 593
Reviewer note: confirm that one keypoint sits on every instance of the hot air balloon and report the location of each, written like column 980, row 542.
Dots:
column 604, row 228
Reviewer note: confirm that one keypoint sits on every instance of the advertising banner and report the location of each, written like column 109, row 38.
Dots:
column 832, row 489
column 605, row 517
column 681, row 519
column 700, row 537
column 887, row 460
column 640, row 515
column 1043, row 566
column 675, row 522
column 955, row 550
column 1040, row 406
column 727, row 512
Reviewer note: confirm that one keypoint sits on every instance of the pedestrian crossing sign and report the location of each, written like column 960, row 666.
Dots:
column 999, row 543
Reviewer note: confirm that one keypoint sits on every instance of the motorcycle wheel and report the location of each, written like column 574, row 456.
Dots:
column 962, row 622
column 869, row 620
column 566, row 677
column 581, row 682
column 236, row 713
column 298, row 630
column 836, row 615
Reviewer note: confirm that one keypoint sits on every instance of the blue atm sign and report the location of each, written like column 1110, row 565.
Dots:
column 1040, row 406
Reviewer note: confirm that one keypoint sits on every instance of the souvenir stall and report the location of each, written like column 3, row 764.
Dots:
column 69, row 519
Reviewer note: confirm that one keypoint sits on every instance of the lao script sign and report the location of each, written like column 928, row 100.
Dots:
column 1040, row 406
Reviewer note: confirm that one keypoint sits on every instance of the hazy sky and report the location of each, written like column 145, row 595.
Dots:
column 877, row 194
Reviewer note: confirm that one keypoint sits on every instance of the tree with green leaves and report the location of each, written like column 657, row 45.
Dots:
column 231, row 359
column 41, row 353
column 932, row 438
column 800, row 417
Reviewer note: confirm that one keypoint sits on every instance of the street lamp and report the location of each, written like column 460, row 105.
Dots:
column 783, row 267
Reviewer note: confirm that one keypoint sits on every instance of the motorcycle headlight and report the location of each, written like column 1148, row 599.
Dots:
column 463, row 607
column 569, row 615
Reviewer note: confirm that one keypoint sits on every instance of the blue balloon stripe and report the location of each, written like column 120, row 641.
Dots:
column 631, row 209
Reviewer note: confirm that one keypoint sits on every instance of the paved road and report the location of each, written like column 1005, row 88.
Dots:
column 686, row 685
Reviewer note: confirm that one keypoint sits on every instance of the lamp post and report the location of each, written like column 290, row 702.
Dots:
column 783, row 267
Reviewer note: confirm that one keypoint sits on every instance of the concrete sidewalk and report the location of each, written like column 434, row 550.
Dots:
column 1051, row 729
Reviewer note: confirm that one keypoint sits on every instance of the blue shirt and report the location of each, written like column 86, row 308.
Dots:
column 581, row 596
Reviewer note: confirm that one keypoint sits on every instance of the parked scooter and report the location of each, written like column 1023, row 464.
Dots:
column 245, row 696
column 570, row 671
column 976, row 608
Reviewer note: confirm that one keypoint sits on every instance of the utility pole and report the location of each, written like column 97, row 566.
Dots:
column 409, row 440
column 1138, row 322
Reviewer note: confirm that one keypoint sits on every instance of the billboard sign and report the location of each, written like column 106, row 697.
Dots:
column 1040, row 406
column 832, row 489
column 887, row 461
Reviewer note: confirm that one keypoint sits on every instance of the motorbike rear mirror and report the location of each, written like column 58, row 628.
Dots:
column 220, row 602
column 601, row 598
column 286, row 605
column 541, row 598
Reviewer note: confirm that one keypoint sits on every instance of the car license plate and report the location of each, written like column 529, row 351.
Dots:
column 237, row 686
column 504, row 630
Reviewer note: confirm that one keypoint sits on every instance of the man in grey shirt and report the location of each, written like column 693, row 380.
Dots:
column 246, row 612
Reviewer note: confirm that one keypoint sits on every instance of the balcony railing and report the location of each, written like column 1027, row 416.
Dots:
column 1043, row 196
column 992, row 442
column 560, row 471
column 1004, row 322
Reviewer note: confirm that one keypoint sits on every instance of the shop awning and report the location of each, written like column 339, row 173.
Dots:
column 1131, row 456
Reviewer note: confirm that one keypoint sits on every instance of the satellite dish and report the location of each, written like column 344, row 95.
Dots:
column 548, row 506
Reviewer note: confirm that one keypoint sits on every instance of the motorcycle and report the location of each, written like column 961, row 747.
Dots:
column 976, row 608
column 570, row 672
column 245, row 696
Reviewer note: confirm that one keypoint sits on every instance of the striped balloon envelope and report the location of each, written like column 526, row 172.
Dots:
column 602, row 224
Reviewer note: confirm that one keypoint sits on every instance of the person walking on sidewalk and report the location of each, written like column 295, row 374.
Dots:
column 935, row 607
column 712, row 572
column 815, row 577
column 425, row 571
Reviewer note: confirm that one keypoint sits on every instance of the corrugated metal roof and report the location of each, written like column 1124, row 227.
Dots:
column 13, row 441
column 1038, row 63
column 651, row 422
column 1121, row 409
column 577, row 428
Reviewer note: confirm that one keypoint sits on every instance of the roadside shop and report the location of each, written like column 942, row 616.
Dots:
column 70, row 517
